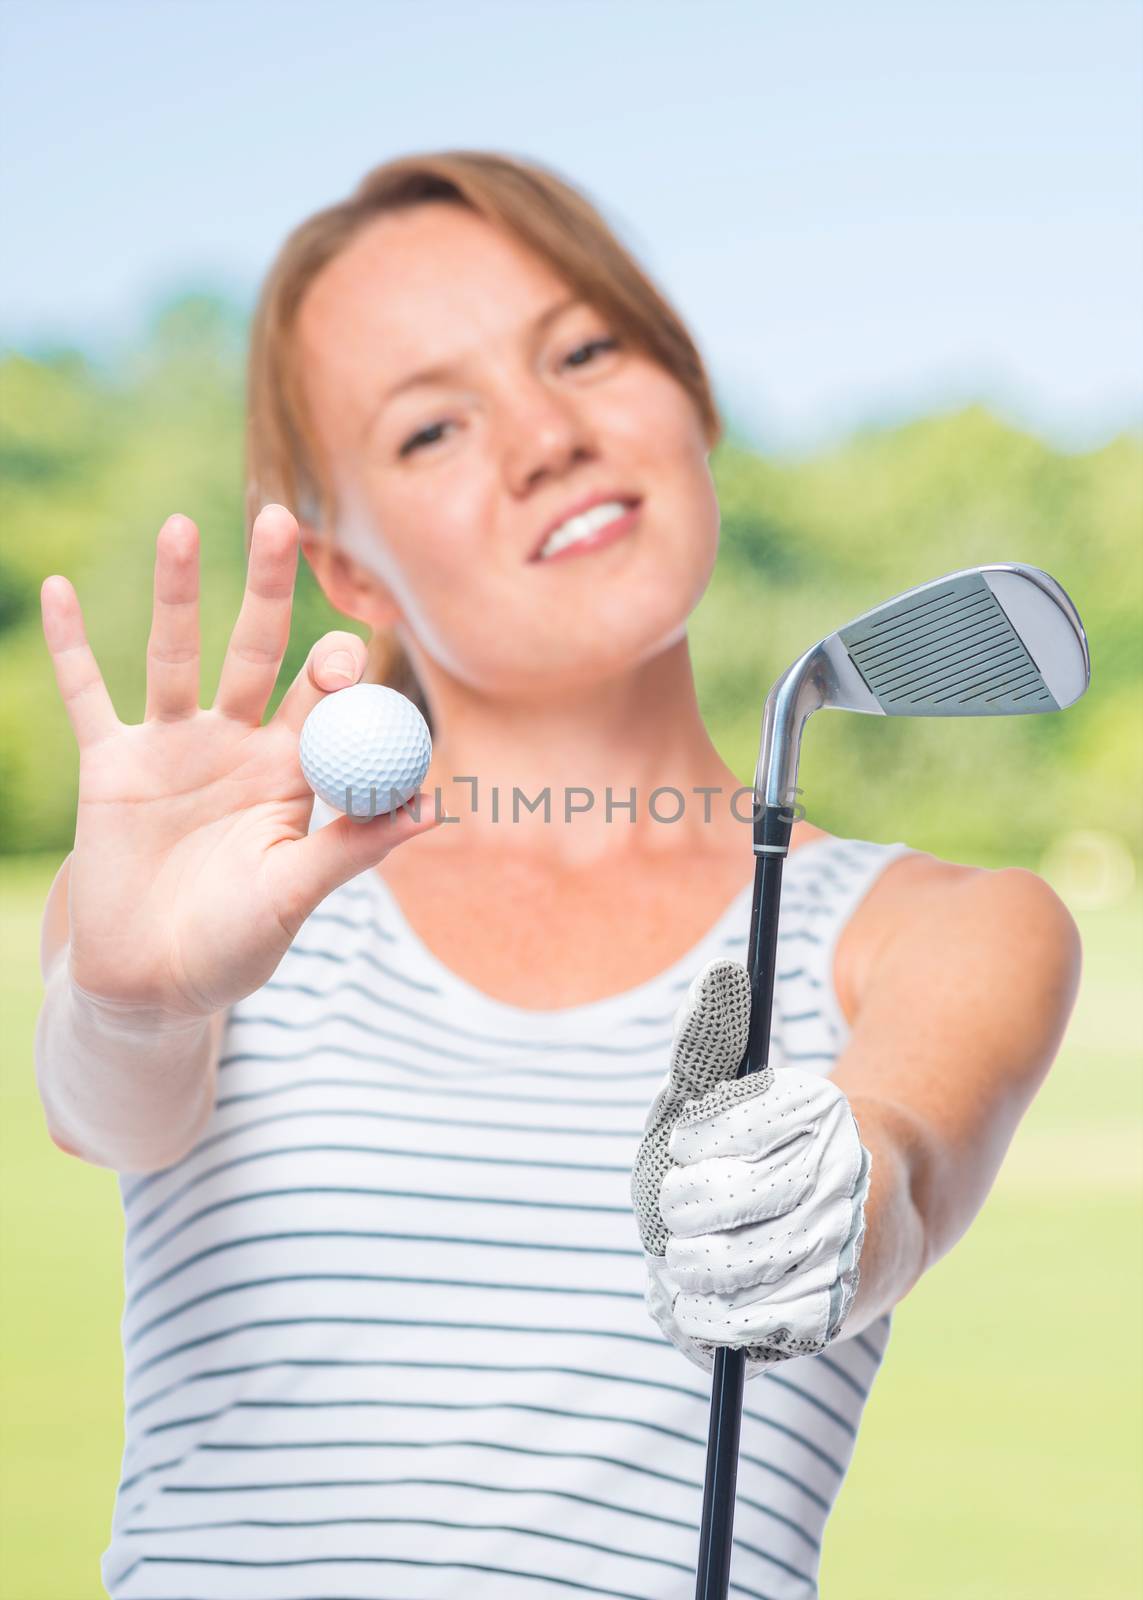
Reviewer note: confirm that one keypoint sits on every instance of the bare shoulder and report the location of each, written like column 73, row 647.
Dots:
column 924, row 913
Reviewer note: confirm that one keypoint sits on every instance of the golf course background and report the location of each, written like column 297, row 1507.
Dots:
column 1001, row 1453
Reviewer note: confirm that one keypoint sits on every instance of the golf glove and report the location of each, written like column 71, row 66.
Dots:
column 749, row 1192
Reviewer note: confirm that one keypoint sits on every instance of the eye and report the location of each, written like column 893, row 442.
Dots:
column 584, row 354
column 426, row 436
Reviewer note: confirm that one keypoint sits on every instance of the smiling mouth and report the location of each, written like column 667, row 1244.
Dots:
column 590, row 530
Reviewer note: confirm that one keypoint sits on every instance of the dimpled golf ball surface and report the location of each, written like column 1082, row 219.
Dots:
column 365, row 749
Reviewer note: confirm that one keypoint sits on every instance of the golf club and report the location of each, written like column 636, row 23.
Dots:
column 997, row 640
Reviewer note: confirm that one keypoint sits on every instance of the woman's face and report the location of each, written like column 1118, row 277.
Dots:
column 468, row 405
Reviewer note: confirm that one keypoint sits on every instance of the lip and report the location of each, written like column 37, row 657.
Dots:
column 605, row 535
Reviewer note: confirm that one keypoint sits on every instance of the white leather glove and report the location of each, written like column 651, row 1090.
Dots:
column 749, row 1192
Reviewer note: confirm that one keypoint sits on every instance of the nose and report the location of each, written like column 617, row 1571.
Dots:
column 544, row 434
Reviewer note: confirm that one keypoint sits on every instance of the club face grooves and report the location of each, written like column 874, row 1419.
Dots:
column 951, row 651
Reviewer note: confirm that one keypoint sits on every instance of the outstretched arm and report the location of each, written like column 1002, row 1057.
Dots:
column 959, row 1013
column 784, row 1210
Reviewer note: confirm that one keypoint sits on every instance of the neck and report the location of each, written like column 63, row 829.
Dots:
column 642, row 731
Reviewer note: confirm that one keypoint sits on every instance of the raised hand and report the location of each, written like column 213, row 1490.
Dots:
column 193, row 866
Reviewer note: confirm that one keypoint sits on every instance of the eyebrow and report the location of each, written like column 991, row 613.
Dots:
column 444, row 371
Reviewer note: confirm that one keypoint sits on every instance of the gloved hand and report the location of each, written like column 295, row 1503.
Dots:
column 749, row 1192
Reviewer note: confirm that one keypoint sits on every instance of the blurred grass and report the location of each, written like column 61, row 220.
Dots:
column 1000, row 1457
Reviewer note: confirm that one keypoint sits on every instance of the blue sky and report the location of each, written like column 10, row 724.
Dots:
column 863, row 211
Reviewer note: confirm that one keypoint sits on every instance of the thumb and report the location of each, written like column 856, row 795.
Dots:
column 331, row 855
column 711, row 1028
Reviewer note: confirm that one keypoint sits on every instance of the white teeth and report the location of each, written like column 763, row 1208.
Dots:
column 576, row 528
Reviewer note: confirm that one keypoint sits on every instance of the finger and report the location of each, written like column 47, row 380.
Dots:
column 262, row 631
column 752, row 1116
column 727, row 1192
column 313, row 867
column 336, row 661
column 81, row 685
column 792, row 1314
column 711, row 1037
column 173, row 647
column 756, row 1252
column 819, row 1176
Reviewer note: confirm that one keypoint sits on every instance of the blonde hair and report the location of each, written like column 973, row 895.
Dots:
column 530, row 204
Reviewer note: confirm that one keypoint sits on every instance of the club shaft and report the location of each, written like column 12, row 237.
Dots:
column 717, row 1533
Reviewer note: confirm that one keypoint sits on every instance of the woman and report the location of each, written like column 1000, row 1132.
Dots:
column 376, row 1089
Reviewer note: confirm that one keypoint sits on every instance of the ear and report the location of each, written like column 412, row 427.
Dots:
column 351, row 588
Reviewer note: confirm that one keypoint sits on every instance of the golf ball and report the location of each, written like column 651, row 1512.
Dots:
column 365, row 750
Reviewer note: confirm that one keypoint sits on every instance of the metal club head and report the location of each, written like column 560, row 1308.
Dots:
column 993, row 641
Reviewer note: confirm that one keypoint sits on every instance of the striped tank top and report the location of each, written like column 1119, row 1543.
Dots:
column 384, row 1332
